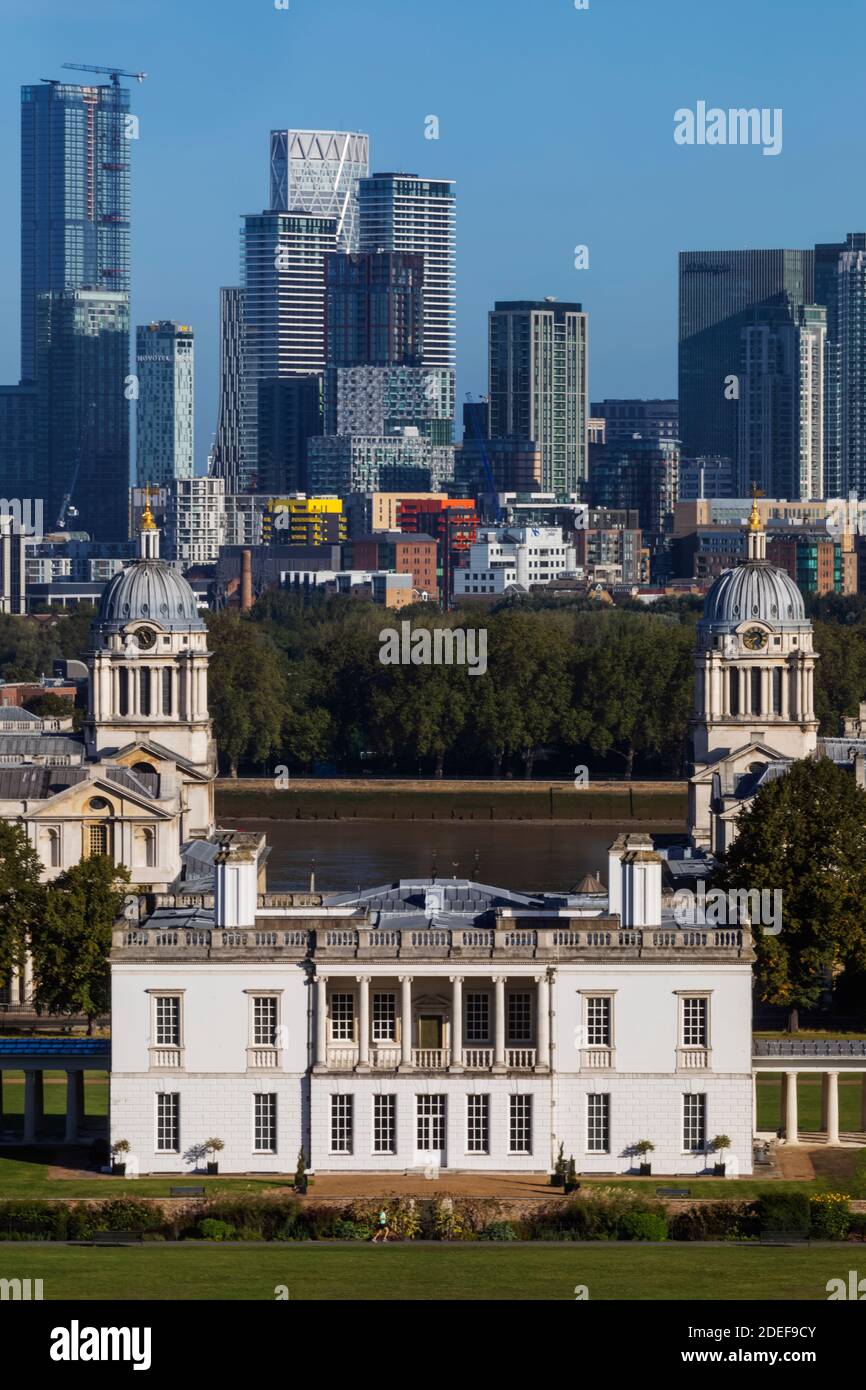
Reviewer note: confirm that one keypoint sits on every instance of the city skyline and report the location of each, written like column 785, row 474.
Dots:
column 496, row 153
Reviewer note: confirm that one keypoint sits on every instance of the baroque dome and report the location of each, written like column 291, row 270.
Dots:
column 754, row 591
column 149, row 591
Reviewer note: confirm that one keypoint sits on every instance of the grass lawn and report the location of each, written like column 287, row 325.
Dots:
column 430, row 1273
column 54, row 1103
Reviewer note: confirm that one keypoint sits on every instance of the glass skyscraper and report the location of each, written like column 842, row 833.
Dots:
column 538, row 385
column 719, row 292
column 165, row 366
column 82, row 431
column 74, row 196
column 227, row 458
column 283, row 255
column 401, row 212
column 318, row 171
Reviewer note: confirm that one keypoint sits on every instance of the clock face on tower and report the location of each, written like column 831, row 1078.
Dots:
column 754, row 640
column 145, row 637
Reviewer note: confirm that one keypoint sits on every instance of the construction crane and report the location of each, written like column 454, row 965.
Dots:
column 114, row 73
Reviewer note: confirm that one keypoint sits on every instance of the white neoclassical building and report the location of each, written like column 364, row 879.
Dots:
column 137, row 783
column 434, row 1024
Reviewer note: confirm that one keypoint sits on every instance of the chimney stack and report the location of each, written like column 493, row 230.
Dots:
column 246, row 580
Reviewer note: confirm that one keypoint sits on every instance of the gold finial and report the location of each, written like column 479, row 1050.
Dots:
column 147, row 521
column 755, row 523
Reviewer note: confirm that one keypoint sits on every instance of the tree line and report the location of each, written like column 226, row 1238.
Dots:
column 610, row 687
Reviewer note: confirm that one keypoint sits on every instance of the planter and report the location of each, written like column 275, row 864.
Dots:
column 571, row 1187
column 645, row 1170
column 212, row 1169
column 557, row 1180
column 118, row 1170
column 301, row 1188
column 719, row 1170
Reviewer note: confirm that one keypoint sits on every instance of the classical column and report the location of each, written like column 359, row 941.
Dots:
column 27, row 983
column 175, row 709
column 786, row 692
column 363, row 1023
column 833, row 1109
column 499, row 1025
column 542, row 1008
column 791, row 1135
column 754, row 1104
column 321, row 1063
column 863, row 1102
column 72, row 1116
column 766, row 700
column 30, row 1106
column 825, row 1093
column 406, row 1023
column 456, row 1023
column 14, row 986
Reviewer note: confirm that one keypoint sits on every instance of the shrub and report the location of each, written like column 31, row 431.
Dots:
column 498, row 1230
column 784, row 1211
column 351, row 1230
column 125, row 1214
column 716, row 1221
column 857, row 1225
column 257, row 1214
column 33, row 1221
column 211, row 1229
column 642, row 1225
column 830, row 1216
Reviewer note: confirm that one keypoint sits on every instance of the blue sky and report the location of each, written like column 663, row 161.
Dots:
column 557, row 125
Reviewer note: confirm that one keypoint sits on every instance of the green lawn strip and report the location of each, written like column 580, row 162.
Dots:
column 808, row 1102
column 54, row 1093
column 430, row 1273
column 28, row 1177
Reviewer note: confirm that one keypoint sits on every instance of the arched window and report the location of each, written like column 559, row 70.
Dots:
column 734, row 691
column 50, row 846
column 166, row 690
column 757, row 699
column 144, row 690
column 777, row 691
column 145, row 847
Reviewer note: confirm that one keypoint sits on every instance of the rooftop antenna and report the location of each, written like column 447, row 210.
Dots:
column 434, row 867
column 312, row 875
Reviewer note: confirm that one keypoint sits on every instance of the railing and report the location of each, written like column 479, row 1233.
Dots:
column 260, row 1058
column 342, row 1058
column 431, row 1058
column 539, row 943
column 693, row 1058
column 596, row 1059
column 477, row 939
column 436, row 939
column 385, row 1058
column 167, row 1058
column 520, row 1058
column 478, row 1058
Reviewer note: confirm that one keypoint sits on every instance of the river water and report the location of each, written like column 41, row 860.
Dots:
column 517, row 855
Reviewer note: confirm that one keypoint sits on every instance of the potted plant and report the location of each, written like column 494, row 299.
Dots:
column 571, row 1183
column 213, row 1146
column 300, row 1183
column 720, row 1145
column 641, row 1148
column 560, row 1168
column 118, row 1160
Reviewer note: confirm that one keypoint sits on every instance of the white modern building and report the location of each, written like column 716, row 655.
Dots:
column 514, row 557
column 318, row 171
column 402, row 212
column 165, row 409
column 430, row 1023
column 195, row 520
